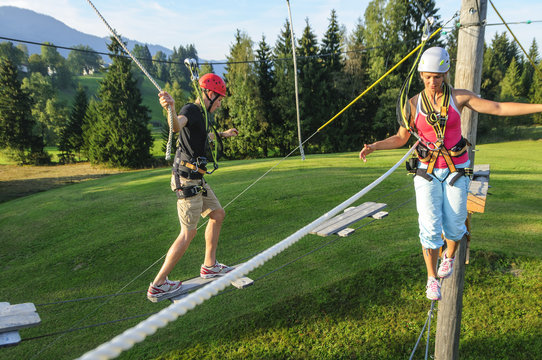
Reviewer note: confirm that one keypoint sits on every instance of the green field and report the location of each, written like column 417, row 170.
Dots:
column 360, row 297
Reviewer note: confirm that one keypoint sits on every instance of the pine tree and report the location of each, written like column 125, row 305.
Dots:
column 242, row 103
column 528, row 72
column 332, row 63
column 16, row 122
column 312, row 86
column 71, row 139
column 161, row 66
column 536, row 94
column 354, row 82
column 118, row 134
column 143, row 55
column 265, row 84
column 283, row 131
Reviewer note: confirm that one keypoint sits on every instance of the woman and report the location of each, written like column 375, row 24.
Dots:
column 442, row 185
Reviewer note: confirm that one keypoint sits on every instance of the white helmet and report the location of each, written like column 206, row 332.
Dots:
column 434, row 60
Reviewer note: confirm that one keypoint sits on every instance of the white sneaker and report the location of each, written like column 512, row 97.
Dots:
column 446, row 267
column 217, row 269
column 433, row 289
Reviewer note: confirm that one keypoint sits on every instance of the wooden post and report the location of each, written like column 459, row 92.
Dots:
column 470, row 57
column 468, row 76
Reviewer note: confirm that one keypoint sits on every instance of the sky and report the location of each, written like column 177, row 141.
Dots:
column 211, row 25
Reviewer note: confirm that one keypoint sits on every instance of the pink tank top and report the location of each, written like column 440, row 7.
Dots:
column 452, row 135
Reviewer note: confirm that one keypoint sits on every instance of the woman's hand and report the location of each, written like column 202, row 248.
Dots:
column 367, row 149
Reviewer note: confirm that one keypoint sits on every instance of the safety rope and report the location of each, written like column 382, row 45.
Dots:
column 136, row 334
column 171, row 115
column 516, row 39
column 427, row 322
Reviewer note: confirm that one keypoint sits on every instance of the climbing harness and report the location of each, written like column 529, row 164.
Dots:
column 432, row 60
column 214, row 83
column 428, row 152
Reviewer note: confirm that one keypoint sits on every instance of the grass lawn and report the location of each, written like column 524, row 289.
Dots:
column 356, row 297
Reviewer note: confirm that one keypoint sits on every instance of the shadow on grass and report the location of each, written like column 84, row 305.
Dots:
column 13, row 189
column 378, row 314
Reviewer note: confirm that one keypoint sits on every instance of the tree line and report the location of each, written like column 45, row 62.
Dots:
column 113, row 126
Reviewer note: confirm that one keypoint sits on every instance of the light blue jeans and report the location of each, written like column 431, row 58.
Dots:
column 442, row 208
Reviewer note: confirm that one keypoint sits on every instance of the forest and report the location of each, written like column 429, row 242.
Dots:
column 111, row 125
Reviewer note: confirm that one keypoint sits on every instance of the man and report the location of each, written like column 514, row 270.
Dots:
column 195, row 196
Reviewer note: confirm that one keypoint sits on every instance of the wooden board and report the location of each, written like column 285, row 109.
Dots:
column 10, row 338
column 352, row 215
column 199, row 282
column 480, row 171
column 19, row 316
column 476, row 200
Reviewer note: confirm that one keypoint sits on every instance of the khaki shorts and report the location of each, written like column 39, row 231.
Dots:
column 190, row 209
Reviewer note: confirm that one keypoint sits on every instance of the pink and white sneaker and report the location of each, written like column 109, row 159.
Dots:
column 433, row 289
column 156, row 293
column 446, row 267
column 217, row 269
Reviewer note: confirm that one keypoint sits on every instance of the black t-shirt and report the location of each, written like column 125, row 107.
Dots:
column 193, row 137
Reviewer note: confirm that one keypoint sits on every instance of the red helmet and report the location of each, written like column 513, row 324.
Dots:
column 214, row 83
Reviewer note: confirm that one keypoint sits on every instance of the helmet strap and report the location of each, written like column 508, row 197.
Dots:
column 211, row 101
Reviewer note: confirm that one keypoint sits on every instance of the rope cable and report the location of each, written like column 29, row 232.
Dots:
column 171, row 115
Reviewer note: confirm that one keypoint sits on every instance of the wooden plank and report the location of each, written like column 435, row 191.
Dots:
column 346, row 232
column 481, row 170
column 19, row 321
column 476, row 200
column 10, row 338
column 380, row 215
column 17, row 309
column 351, row 216
column 196, row 283
column 19, row 316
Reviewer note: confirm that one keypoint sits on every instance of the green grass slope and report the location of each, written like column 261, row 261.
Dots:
column 355, row 297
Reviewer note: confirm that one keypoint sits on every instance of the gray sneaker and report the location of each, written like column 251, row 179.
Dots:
column 166, row 290
column 217, row 269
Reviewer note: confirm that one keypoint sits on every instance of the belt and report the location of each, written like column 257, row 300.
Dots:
column 192, row 167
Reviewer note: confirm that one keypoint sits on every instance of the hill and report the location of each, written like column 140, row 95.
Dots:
column 43, row 28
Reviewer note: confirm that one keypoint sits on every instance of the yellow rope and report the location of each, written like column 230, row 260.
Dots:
column 377, row 81
column 516, row 39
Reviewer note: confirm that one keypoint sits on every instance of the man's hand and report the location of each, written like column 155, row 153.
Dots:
column 229, row 133
column 166, row 100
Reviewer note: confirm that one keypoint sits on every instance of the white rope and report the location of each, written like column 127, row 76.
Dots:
column 169, row 109
column 138, row 333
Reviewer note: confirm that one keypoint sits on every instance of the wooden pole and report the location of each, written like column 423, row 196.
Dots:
column 470, row 57
column 468, row 76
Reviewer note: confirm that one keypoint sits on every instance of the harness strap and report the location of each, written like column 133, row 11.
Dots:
column 192, row 167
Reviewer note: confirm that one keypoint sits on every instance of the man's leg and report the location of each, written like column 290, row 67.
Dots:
column 174, row 254
column 212, row 232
